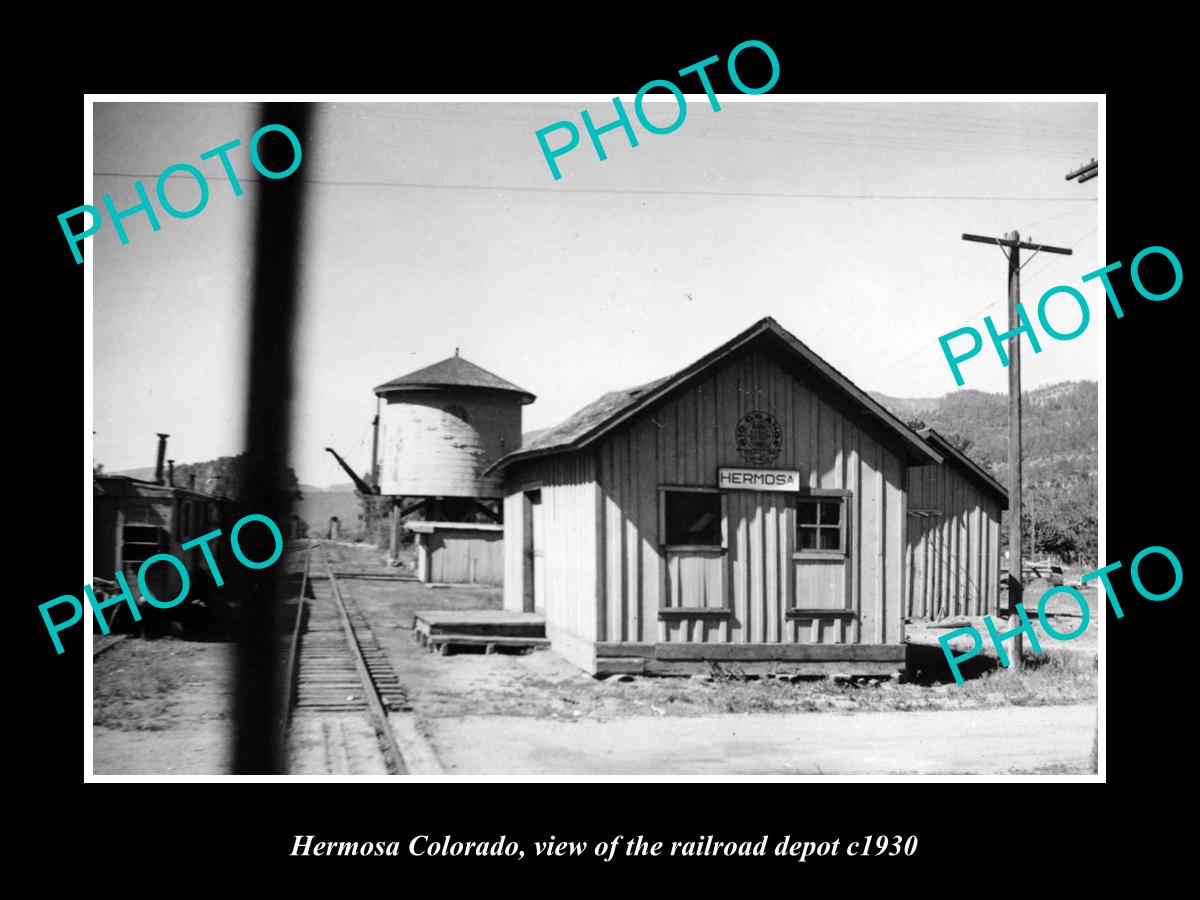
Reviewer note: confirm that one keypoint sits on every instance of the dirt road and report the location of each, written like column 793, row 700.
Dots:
column 1049, row 739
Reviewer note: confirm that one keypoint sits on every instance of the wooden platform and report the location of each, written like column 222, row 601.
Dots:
column 491, row 629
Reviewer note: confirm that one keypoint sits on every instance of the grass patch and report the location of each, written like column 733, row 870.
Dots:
column 132, row 690
column 1047, row 678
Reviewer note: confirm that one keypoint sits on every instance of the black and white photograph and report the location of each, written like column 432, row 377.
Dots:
column 680, row 435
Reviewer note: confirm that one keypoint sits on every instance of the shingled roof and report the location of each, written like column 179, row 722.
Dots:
column 453, row 372
column 596, row 412
column 617, row 407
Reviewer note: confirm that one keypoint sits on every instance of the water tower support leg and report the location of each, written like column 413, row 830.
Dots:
column 394, row 544
column 496, row 515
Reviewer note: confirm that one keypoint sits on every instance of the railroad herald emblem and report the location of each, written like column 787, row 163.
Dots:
column 759, row 438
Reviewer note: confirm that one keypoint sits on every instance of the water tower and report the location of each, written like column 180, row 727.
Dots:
column 439, row 429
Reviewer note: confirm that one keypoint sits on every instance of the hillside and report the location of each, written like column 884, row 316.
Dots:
column 224, row 476
column 318, row 505
column 1060, row 437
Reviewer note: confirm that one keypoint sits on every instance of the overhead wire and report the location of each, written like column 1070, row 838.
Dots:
column 800, row 195
column 925, row 347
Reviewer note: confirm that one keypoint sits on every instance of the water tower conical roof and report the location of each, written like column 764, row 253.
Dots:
column 453, row 373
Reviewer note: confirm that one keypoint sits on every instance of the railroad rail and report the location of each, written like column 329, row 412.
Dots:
column 336, row 667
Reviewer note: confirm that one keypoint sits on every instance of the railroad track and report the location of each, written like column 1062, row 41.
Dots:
column 336, row 668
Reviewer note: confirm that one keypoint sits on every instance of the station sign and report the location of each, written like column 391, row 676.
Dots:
column 758, row 479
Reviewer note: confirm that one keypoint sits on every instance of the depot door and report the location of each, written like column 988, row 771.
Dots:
column 762, row 578
column 535, row 553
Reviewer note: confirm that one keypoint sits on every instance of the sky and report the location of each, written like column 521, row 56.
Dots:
column 437, row 225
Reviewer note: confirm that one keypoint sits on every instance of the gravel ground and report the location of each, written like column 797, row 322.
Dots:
column 162, row 706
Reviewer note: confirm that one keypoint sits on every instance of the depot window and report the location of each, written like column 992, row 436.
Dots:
column 821, row 526
column 692, row 519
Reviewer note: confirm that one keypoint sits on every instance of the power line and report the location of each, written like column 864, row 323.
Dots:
column 650, row 191
column 924, row 347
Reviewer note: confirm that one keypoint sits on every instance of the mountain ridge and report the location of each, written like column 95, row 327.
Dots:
column 1060, row 440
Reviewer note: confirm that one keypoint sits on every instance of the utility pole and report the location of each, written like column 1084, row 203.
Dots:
column 1016, row 587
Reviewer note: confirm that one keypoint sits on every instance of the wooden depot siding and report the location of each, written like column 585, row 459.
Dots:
column 682, row 443
column 954, row 545
column 569, row 507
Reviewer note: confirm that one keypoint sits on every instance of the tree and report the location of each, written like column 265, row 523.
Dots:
column 226, row 476
column 959, row 442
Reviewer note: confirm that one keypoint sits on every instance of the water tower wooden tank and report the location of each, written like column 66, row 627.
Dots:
column 440, row 428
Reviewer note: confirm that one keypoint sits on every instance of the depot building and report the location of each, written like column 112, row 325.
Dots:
column 755, row 508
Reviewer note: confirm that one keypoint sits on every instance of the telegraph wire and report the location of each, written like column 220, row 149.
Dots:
column 645, row 191
column 924, row 347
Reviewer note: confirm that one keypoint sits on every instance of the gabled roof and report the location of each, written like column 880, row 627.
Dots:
column 616, row 408
column 453, row 372
column 967, row 466
column 595, row 413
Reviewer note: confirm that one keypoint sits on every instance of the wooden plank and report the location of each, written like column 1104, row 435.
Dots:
column 981, row 553
column 737, row 565
column 951, row 548
column 618, row 666
column 669, row 451
column 993, row 576
column 897, row 517
column 714, row 651
column 826, row 440
column 685, row 408
column 792, row 426
column 612, row 586
column 854, row 508
column 770, row 569
column 797, row 613
column 927, row 527
column 633, row 561
column 787, row 568
column 956, row 552
column 910, row 576
column 972, row 547
column 943, row 543
column 628, row 648
column 839, row 459
column 598, row 551
column 476, row 640
column 695, row 612
column 985, row 592
column 868, row 511
column 862, row 668
column 880, row 560
column 757, row 600
column 469, row 617
column 814, row 441
column 647, row 526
